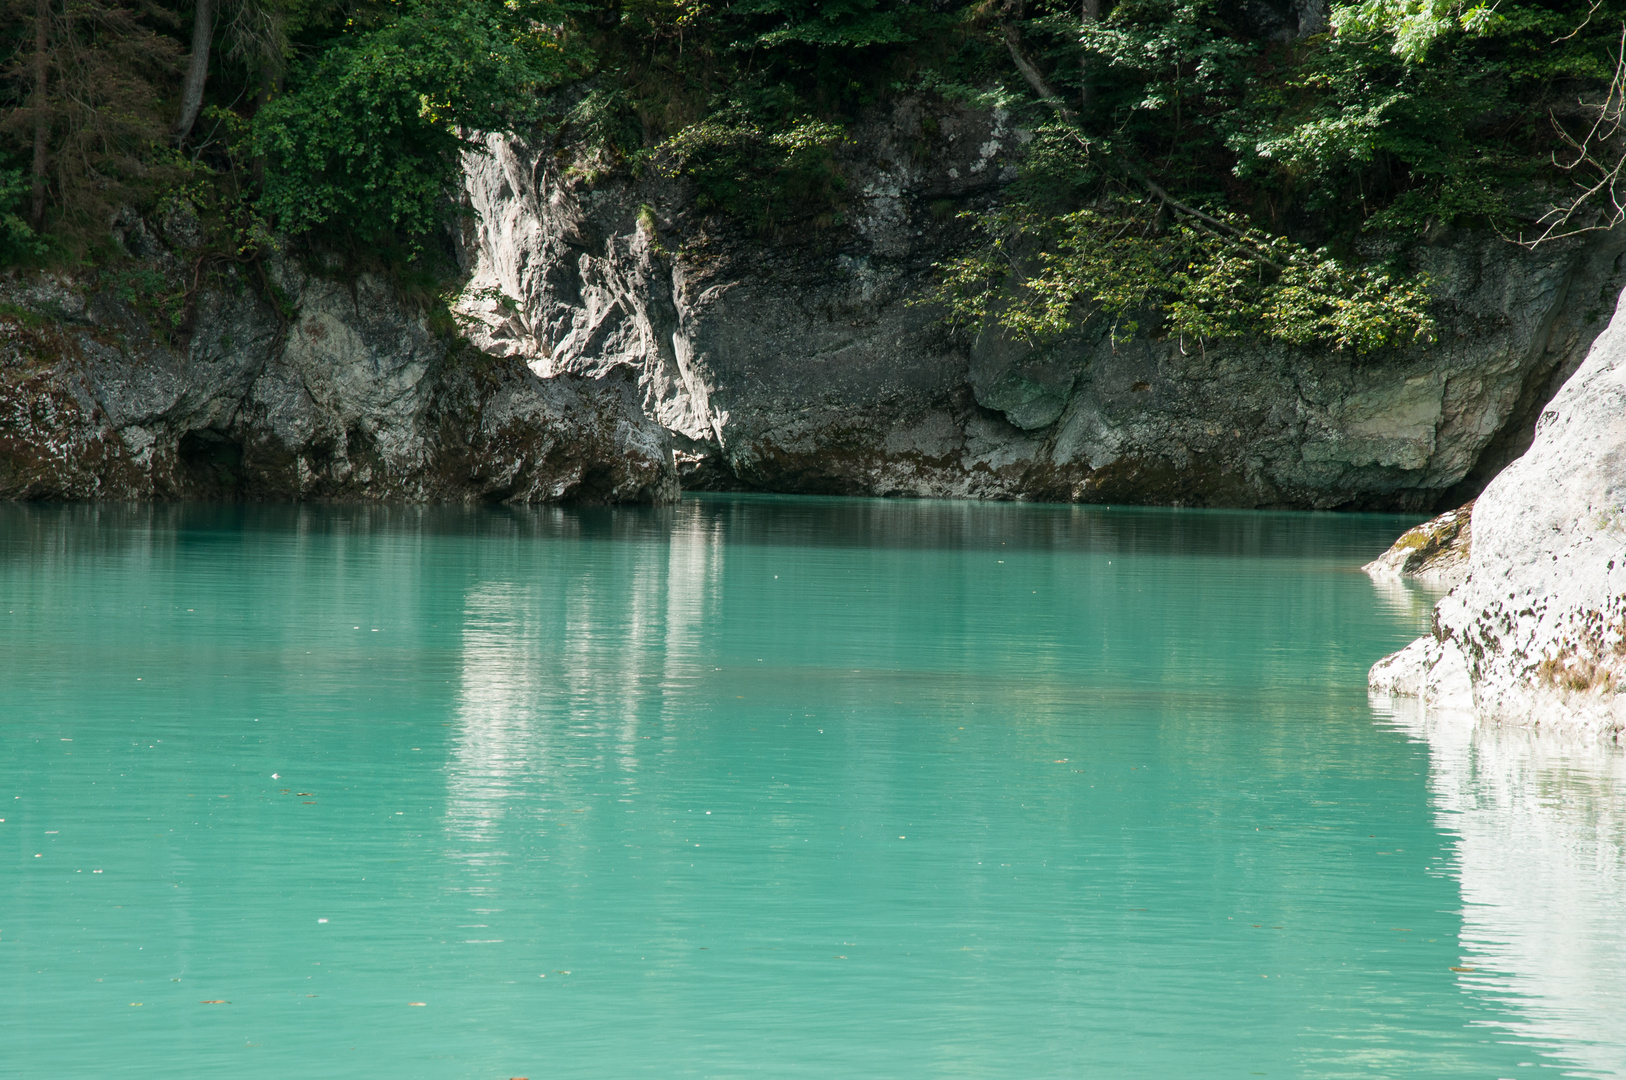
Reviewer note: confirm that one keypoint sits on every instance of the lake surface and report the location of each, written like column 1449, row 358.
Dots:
column 768, row 788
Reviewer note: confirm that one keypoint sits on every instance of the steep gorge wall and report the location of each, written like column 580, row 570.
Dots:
column 809, row 367
column 350, row 396
column 613, row 325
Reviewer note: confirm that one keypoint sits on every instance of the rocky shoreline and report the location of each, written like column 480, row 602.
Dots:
column 619, row 347
column 1536, row 634
column 351, row 396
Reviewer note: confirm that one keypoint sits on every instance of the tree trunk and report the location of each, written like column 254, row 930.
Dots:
column 197, row 69
column 1089, row 12
column 42, row 110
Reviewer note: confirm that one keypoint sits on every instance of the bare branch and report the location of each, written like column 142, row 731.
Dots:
column 1598, row 161
column 1013, row 43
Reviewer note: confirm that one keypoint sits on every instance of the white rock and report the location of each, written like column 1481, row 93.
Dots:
column 1537, row 634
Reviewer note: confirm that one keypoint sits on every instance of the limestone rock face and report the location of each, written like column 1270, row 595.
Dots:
column 1435, row 551
column 348, row 397
column 808, row 365
column 1537, row 634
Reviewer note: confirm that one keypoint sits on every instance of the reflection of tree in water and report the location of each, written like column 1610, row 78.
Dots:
column 1541, row 857
column 566, row 667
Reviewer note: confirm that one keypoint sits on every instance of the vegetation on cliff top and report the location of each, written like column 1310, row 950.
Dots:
column 1208, row 165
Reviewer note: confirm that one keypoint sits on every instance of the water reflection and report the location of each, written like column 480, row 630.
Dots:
column 1409, row 600
column 588, row 652
column 793, row 787
column 496, row 712
column 1541, row 856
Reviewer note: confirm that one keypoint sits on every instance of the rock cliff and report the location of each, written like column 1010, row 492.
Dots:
column 1537, row 633
column 810, row 366
column 347, row 396
column 613, row 323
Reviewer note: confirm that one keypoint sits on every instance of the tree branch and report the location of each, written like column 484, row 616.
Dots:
column 1036, row 80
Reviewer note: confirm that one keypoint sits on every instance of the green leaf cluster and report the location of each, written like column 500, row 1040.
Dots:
column 1036, row 276
column 1196, row 167
column 774, row 176
column 1200, row 174
column 18, row 242
column 367, row 141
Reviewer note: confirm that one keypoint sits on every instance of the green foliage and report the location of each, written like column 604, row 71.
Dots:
column 1037, row 276
column 1194, row 170
column 1411, row 26
column 1210, row 184
column 151, row 294
column 777, row 176
column 852, row 24
column 368, row 139
column 17, row 240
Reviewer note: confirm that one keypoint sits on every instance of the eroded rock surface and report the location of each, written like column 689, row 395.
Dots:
column 348, row 397
column 1435, row 552
column 809, row 367
column 1537, row 633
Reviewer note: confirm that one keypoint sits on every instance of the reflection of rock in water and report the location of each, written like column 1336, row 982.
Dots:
column 1541, row 856
column 693, row 588
column 1410, row 599
column 566, row 670
column 502, row 676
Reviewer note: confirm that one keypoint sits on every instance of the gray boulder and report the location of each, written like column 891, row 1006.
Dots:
column 1435, row 552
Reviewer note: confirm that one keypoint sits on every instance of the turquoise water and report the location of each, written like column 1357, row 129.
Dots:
column 762, row 788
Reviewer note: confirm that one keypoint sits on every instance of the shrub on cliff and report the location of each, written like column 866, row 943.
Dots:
column 1201, row 169
column 1202, row 166
column 366, row 140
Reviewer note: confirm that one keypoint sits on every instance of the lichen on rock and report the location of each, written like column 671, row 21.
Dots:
column 1435, row 551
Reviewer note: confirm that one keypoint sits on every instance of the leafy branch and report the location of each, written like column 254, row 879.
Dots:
column 1208, row 275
